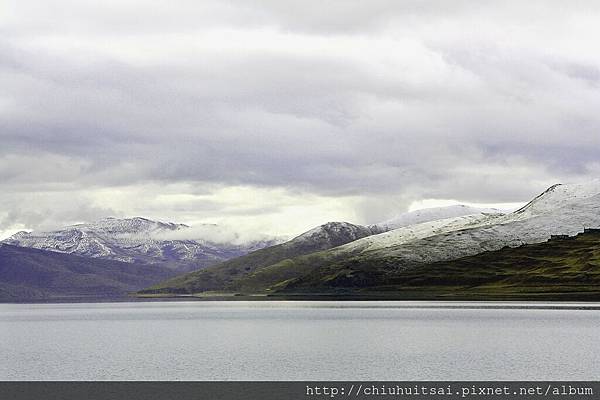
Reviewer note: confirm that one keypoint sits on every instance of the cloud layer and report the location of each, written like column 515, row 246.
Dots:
column 337, row 110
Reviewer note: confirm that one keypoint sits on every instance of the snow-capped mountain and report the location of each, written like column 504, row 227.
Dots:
column 321, row 238
column 330, row 235
column 137, row 240
column 328, row 239
column 560, row 210
column 334, row 234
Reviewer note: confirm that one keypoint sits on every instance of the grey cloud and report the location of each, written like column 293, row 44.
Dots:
column 148, row 17
column 420, row 99
column 589, row 74
column 50, row 211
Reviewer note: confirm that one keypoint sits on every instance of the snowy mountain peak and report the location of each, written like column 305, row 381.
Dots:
column 560, row 210
column 135, row 225
column 558, row 196
column 19, row 235
column 139, row 240
column 331, row 228
column 332, row 234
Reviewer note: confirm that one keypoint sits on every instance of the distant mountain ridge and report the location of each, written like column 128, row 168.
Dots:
column 135, row 240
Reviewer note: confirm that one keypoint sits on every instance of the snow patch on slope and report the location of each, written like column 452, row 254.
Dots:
column 430, row 214
column 562, row 209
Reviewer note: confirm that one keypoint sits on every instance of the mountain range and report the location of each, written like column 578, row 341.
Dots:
column 387, row 259
column 560, row 210
column 324, row 237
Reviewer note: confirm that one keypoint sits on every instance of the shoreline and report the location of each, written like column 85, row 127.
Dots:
column 544, row 301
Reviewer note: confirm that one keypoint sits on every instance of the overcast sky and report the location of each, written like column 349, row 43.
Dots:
column 276, row 116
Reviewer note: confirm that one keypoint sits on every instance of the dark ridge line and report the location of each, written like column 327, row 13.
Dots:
column 550, row 189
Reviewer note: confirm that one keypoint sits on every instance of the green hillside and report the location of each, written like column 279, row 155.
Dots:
column 228, row 276
column 558, row 269
column 568, row 268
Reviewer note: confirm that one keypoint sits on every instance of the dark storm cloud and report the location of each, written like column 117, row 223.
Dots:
column 474, row 101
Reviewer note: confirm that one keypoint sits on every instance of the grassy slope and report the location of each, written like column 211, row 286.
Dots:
column 246, row 272
column 250, row 273
column 568, row 269
column 36, row 274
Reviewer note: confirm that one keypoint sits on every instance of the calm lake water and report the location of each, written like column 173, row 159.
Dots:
column 296, row 341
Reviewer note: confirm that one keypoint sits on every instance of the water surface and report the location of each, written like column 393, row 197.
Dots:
column 384, row 340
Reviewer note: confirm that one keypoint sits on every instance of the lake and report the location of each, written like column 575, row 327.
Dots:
column 312, row 340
